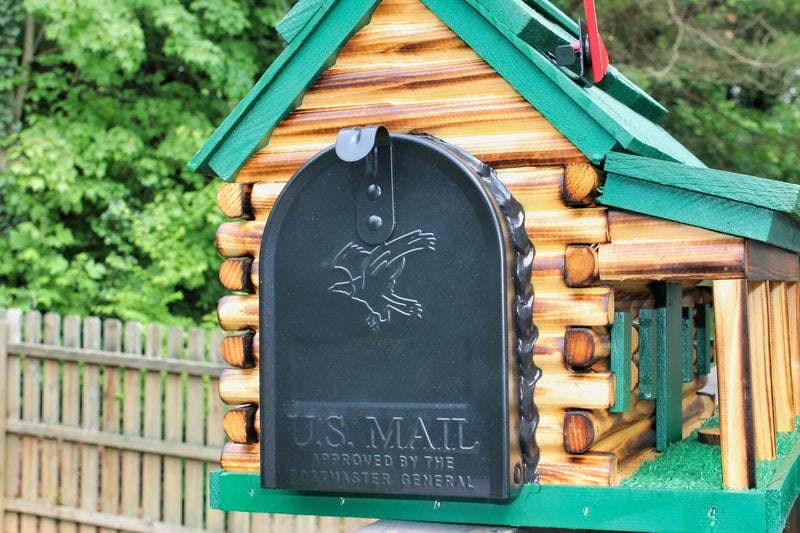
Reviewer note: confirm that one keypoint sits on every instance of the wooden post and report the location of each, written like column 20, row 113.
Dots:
column 757, row 335
column 173, row 430
column 733, row 367
column 780, row 359
column 793, row 318
column 153, row 402
column 668, row 354
column 11, row 395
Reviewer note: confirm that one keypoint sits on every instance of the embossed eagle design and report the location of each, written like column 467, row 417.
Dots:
column 372, row 275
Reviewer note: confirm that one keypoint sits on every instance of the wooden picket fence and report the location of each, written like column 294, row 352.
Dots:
column 111, row 427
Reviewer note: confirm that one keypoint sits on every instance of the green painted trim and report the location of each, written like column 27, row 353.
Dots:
column 621, row 353
column 648, row 367
column 702, row 210
column 669, row 404
column 281, row 88
column 297, row 18
column 687, row 345
column 556, row 506
column 760, row 192
column 705, row 319
column 527, row 71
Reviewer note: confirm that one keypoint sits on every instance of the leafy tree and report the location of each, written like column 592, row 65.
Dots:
column 727, row 70
column 102, row 105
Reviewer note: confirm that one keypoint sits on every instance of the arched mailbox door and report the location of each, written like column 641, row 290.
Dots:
column 390, row 324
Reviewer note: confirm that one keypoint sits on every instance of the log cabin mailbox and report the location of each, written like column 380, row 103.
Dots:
column 395, row 302
column 388, row 180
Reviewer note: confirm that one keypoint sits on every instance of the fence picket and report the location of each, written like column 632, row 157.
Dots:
column 90, row 414
column 173, row 430
column 151, row 463
column 130, row 491
column 110, row 422
column 69, row 452
column 51, row 414
column 13, row 394
column 195, row 432
column 94, row 440
column 3, row 404
column 215, row 411
column 31, row 411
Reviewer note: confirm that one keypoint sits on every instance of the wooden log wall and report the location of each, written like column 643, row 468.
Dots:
column 590, row 262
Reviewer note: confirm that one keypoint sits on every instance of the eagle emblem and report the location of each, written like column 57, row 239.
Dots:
column 372, row 275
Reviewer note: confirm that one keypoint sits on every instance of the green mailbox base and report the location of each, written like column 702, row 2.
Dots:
column 558, row 506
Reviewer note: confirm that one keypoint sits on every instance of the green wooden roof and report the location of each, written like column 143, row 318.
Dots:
column 746, row 206
column 513, row 36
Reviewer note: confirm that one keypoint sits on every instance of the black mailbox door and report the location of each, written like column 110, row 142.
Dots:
column 385, row 334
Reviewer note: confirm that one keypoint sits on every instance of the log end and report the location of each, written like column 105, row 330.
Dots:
column 581, row 184
column 233, row 200
column 578, row 432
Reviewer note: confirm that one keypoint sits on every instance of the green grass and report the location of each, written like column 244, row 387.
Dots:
column 690, row 464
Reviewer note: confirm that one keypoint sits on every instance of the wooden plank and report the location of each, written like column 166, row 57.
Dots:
column 160, row 447
column 111, row 422
column 668, row 359
column 765, row 262
column 769, row 194
column 713, row 259
column 239, row 386
column 780, row 364
column 593, row 390
column 687, row 344
column 99, row 357
column 625, row 226
column 151, row 427
column 172, row 497
column 215, row 437
column 90, row 417
column 759, row 355
column 733, row 373
column 69, row 453
column 31, row 411
column 563, row 226
column 92, row 519
column 195, row 432
column 12, row 391
column 710, row 212
column 621, row 360
column 51, row 414
column 588, row 469
column 793, row 318
column 131, row 461
column 648, row 362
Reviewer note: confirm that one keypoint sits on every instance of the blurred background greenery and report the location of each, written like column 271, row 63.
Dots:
column 102, row 103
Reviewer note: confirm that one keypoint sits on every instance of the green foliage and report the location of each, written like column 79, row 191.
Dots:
column 727, row 70
column 102, row 105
